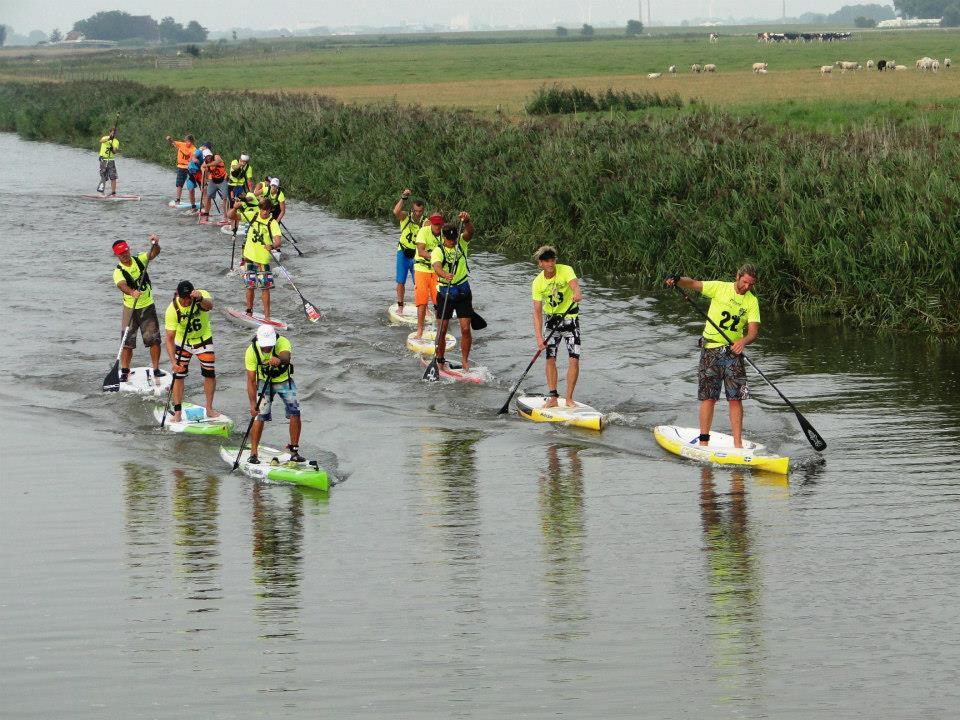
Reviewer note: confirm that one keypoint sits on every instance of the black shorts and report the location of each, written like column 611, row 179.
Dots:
column 459, row 302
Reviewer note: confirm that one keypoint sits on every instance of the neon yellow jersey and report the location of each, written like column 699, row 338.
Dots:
column 253, row 363
column 238, row 177
column 730, row 311
column 408, row 234
column 430, row 241
column 443, row 254
column 109, row 148
column 260, row 237
column 176, row 319
column 555, row 293
column 132, row 278
column 275, row 200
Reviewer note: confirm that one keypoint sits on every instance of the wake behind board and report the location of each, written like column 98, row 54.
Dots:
column 194, row 421
column 532, row 407
column 685, row 443
column 179, row 205
column 111, row 198
column 454, row 371
column 142, row 381
column 427, row 344
column 408, row 316
column 275, row 466
column 256, row 319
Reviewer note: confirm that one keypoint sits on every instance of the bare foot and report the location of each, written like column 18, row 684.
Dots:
column 175, row 418
column 569, row 402
column 212, row 414
column 551, row 402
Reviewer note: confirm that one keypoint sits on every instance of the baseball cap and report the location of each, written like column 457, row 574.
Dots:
column 120, row 247
column 266, row 336
column 207, row 152
column 184, row 288
column 275, row 182
column 245, row 158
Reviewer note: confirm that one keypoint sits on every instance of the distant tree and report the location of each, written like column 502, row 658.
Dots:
column 562, row 31
column 634, row 27
column 192, row 50
column 951, row 16
column 586, row 30
column 3, row 34
column 170, row 31
column 921, row 8
column 864, row 22
column 234, row 33
column 196, row 32
column 56, row 36
column 684, row 23
column 117, row 25
column 850, row 13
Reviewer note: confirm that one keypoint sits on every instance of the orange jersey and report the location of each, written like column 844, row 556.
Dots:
column 185, row 150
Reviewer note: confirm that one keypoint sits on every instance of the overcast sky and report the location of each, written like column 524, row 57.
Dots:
column 26, row 15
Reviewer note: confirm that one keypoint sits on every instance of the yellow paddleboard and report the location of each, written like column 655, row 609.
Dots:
column 408, row 316
column 580, row 415
column 426, row 345
column 684, row 442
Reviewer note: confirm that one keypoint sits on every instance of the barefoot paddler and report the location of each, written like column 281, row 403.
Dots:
column 556, row 293
column 188, row 333
column 263, row 234
column 424, row 277
column 410, row 224
column 450, row 263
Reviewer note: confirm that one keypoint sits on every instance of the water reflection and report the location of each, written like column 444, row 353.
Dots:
column 732, row 574
column 145, row 528
column 196, row 538
column 277, row 559
column 563, row 528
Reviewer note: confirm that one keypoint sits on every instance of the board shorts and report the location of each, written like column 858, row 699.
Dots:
column 182, row 176
column 214, row 187
column 108, row 169
column 567, row 329
column 405, row 267
column 287, row 390
column 424, row 288
column 720, row 367
column 460, row 301
column 205, row 354
column 144, row 319
column 257, row 276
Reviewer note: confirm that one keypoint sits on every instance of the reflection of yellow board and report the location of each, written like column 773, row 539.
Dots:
column 582, row 416
column 684, row 442
column 426, row 345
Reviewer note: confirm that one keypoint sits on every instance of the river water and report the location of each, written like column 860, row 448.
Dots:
column 465, row 565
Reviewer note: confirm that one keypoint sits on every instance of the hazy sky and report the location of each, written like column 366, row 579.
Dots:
column 26, row 15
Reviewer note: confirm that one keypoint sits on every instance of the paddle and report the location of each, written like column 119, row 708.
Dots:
column 103, row 183
column 291, row 237
column 308, row 308
column 513, row 390
column 813, row 437
column 266, row 384
column 432, row 373
column 179, row 357
column 111, row 383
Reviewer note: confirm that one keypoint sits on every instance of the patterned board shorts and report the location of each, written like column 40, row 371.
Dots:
column 108, row 170
column 568, row 330
column 258, row 276
column 718, row 368
column 287, row 391
column 205, row 354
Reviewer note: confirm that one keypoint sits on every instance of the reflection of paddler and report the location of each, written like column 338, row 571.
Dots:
column 561, row 496
column 277, row 549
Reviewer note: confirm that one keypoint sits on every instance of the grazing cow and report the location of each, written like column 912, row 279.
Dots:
column 947, row 62
column 710, row 68
column 696, row 68
column 826, row 69
column 653, row 76
column 869, row 64
column 757, row 67
column 714, row 37
column 881, row 64
column 899, row 67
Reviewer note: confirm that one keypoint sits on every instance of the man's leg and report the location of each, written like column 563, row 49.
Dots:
column 155, row 357
column 706, row 417
column 466, row 341
column 573, row 372
column 400, row 288
column 295, row 430
column 552, row 377
column 736, row 422
column 441, row 346
column 177, row 395
column 209, row 390
column 255, row 434
column 265, row 299
column 126, row 356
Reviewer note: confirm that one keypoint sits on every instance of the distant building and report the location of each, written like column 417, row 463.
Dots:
column 911, row 23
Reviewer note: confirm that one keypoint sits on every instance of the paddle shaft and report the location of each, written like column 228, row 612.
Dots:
column 266, row 384
column 302, row 298
column 813, row 437
column 177, row 359
column 516, row 385
column 292, row 238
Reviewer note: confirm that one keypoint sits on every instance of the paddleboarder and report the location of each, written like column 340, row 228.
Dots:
column 735, row 310
column 109, row 147
column 453, row 292
column 410, row 224
column 214, row 176
column 556, row 291
column 131, row 278
column 240, row 178
column 268, row 360
column 263, row 234
column 424, row 277
column 185, row 149
column 188, row 333
column 270, row 190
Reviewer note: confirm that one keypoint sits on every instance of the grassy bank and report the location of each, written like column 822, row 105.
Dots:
column 864, row 226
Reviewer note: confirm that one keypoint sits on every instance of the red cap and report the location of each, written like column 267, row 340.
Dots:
column 120, row 247
column 436, row 219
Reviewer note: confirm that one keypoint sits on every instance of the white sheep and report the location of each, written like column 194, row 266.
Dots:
column 696, row 68
column 757, row 67
column 653, row 76
column 899, row 67
column 826, row 69
column 869, row 64
column 762, row 71
column 710, row 68
column 935, row 65
column 947, row 62
column 848, row 65
column 672, row 70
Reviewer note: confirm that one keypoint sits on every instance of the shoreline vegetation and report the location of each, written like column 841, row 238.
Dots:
column 864, row 225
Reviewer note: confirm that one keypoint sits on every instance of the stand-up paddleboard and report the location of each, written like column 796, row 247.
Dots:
column 685, row 443
column 427, row 344
column 194, row 421
column 219, row 223
column 110, row 198
column 454, row 371
column 275, row 465
column 256, row 319
column 179, row 205
column 142, row 381
column 532, row 407
column 227, row 229
column 408, row 316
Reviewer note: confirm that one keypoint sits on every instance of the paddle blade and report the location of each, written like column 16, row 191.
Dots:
column 506, row 406
column 432, row 373
column 313, row 315
column 477, row 322
column 111, row 383
column 813, row 437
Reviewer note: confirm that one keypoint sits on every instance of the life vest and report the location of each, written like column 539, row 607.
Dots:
column 142, row 282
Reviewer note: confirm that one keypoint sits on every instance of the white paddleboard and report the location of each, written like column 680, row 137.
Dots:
column 408, row 316
column 684, row 441
column 580, row 415
column 194, row 421
column 451, row 370
column 241, row 230
column 142, row 381
column 111, row 198
column 179, row 206
column 426, row 345
column 256, row 319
